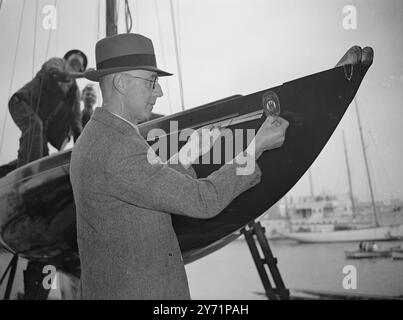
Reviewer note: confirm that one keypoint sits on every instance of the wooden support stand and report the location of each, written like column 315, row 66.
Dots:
column 275, row 289
column 11, row 268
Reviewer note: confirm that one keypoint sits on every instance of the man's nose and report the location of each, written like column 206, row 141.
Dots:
column 158, row 90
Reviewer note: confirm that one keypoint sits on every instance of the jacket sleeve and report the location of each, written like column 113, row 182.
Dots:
column 178, row 167
column 156, row 186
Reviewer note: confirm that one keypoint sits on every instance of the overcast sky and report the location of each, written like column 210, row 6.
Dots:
column 238, row 47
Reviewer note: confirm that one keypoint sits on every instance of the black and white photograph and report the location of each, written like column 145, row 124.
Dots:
column 201, row 150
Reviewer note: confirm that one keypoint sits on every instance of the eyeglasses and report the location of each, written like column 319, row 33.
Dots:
column 153, row 82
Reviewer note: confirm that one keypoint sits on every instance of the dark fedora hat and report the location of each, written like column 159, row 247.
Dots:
column 124, row 52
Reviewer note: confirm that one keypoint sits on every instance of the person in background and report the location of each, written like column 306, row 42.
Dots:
column 89, row 97
column 47, row 109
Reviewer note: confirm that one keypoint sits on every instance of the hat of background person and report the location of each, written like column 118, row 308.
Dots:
column 124, row 52
column 82, row 54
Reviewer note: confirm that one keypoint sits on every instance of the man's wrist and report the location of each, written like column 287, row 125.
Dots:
column 254, row 149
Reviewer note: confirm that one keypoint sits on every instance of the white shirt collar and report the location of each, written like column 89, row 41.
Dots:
column 135, row 127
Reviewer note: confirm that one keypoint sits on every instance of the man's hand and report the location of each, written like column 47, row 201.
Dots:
column 199, row 143
column 271, row 135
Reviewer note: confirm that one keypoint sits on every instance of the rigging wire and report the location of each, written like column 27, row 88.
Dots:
column 136, row 16
column 50, row 34
column 98, row 18
column 30, row 134
column 177, row 56
column 179, row 28
column 56, row 37
column 162, row 52
column 128, row 17
column 366, row 163
column 12, row 73
column 385, row 172
column 349, row 180
column 35, row 32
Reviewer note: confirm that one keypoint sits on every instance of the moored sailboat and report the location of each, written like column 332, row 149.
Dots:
column 375, row 232
column 365, row 234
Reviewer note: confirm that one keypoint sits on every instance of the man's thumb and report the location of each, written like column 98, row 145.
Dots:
column 270, row 119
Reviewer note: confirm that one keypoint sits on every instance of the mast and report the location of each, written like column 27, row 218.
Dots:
column 366, row 165
column 286, row 206
column 111, row 18
column 287, row 213
column 311, row 183
column 350, row 185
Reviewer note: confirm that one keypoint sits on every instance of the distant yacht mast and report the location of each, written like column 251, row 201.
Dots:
column 350, row 185
column 366, row 164
column 311, row 183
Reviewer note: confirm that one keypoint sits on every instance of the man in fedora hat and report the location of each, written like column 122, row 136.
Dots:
column 127, row 245
column 47, row 109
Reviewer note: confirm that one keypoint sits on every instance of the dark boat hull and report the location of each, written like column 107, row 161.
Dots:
column 37, row 212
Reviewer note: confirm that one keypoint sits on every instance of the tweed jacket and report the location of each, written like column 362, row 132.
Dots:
column 127, row 245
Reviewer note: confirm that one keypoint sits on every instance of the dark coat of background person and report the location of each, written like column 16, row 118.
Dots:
column 59, row 111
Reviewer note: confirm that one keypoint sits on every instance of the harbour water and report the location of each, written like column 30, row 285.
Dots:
column 230, row 273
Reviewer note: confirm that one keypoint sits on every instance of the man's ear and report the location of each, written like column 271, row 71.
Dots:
column 119, row 83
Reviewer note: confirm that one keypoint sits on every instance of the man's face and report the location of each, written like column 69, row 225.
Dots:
column 89, row 97
column 76, row 62
column 139, row 94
